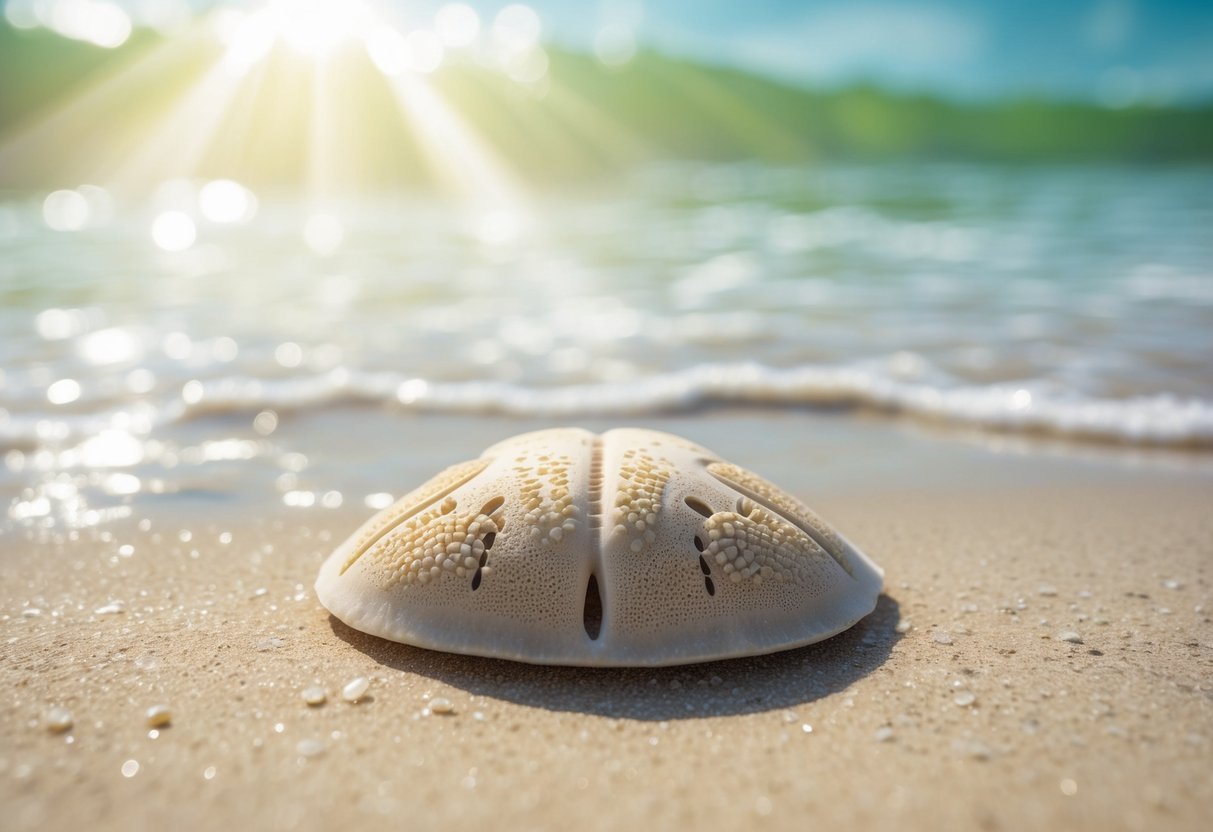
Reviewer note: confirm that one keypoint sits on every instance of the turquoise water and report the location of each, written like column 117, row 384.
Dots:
column 1075, row 302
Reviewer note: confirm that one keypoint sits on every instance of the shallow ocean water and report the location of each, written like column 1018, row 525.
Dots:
column 1073, row 302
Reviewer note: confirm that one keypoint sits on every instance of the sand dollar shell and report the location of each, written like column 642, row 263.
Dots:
column 631, row 548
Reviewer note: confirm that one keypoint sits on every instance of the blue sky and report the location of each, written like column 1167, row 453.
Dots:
column 1116, row 50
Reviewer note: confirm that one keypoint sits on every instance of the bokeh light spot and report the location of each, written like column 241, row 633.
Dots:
column 615, row 45
column 109, row 346
column 517, row 28
column 457, row 24
column 65, row 210
column 425, row 51
column 225, row 201
column 388, row 50
column 63, row 391
column 174, row 231
column 323, row 234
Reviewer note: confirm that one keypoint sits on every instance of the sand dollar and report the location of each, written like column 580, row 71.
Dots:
column 630, row 548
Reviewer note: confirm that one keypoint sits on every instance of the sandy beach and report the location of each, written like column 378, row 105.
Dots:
column 1040, row 658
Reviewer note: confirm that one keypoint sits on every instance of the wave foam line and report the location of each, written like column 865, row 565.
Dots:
column 1145, row 420
column 1158, row 419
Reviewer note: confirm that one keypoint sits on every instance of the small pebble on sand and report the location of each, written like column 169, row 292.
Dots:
column 441, row 705
column 158, row 716
column 58, row 720
column 309, row 748
column 314, row 696
column 355, row 689
column 1071, row 636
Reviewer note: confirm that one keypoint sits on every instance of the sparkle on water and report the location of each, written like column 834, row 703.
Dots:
column 174, row 231
column 224, row 201
column 64, row 391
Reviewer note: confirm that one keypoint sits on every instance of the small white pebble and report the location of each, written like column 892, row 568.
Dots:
column 441, row 705
column 57, row 720
column 1071, row 636
column 883, row 734
column 355, row 689
column 159, row 716
column 314, row 696
column 309, row 748
column 976, row 749
column 965, row 698
column 903, row 626
column 1047, row 591
column 941, row 637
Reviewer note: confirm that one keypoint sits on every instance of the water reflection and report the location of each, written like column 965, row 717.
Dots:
column 1057, row 301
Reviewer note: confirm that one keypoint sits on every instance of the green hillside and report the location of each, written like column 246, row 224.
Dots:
column 589, row 121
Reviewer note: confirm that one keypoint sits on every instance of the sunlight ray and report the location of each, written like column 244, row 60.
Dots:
column 591, row 127
column 459, row 159
column 178, row 144
column 52, row 142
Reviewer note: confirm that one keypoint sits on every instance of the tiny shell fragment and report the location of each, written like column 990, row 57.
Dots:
column 58, row 720
column 355, row 689
column 159, row 716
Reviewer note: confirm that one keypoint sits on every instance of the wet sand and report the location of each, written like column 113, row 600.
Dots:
column 1042, row 658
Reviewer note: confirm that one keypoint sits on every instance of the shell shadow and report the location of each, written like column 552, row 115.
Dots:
column 735, row 686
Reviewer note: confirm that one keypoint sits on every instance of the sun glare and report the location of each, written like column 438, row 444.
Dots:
column 316, row 27
column 199, row 152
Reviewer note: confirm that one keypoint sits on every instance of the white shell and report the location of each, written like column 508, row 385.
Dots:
column 631, row 548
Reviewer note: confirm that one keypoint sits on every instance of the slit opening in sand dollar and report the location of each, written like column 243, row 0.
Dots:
column 591, row 613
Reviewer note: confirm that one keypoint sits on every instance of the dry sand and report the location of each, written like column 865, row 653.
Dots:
column 959, row 703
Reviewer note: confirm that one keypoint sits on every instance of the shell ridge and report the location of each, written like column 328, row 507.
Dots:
column 440, row 486
column 785, row 507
